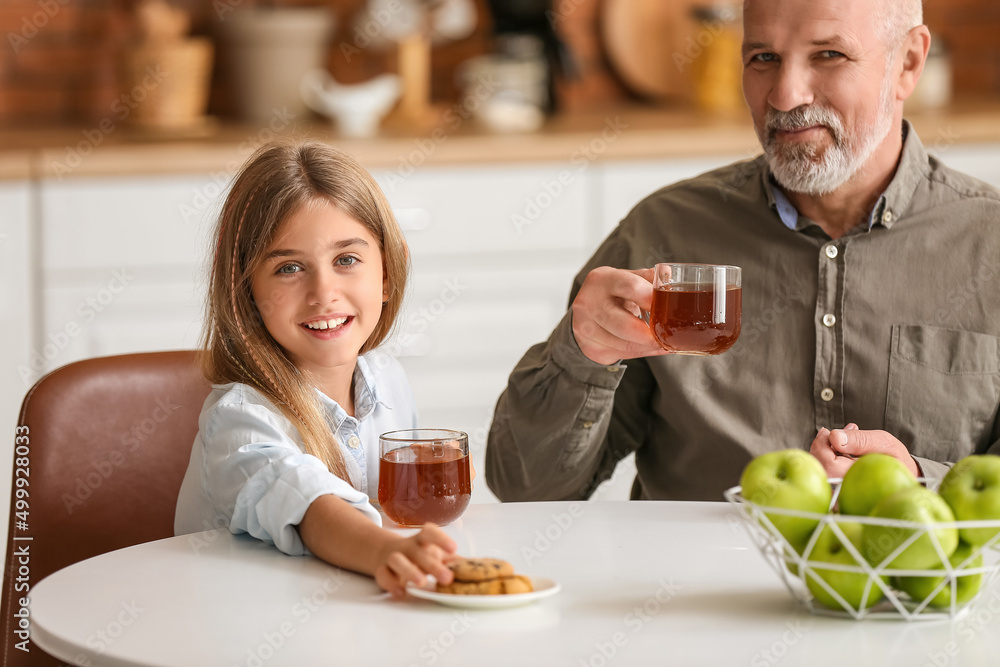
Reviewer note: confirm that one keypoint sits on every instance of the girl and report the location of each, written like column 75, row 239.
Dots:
column 308, row 277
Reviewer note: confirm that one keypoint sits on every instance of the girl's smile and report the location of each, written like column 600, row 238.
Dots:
column 329, row 327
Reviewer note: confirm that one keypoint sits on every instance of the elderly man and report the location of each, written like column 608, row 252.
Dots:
column 870, row 300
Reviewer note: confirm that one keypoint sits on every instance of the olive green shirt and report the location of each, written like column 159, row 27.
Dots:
column 894, row 326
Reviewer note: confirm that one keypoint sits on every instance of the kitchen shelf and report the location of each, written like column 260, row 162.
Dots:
column 620, row 133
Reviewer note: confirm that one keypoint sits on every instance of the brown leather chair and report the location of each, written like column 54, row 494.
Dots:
column 100, row 452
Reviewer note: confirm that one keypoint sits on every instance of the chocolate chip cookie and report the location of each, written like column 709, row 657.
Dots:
column 480, row 569
column 500, row 586
column 484, row 576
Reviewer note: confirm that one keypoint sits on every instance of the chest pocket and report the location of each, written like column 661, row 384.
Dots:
column 944, row 386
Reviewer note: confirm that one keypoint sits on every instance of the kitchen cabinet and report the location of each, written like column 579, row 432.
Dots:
column 624, row 184
column 122, row 265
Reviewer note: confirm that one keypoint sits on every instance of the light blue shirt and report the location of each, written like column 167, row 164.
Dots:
column 790, row 216
column 248, row 471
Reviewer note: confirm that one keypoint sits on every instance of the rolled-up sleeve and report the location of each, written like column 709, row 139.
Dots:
column 259, row 480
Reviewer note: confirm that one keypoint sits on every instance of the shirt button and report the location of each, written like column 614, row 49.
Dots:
column 829, row 320
column 354, row 442
column 831, row 251
column 826, row 394
column 887, row 216
column 588, row 424
column 613, row 369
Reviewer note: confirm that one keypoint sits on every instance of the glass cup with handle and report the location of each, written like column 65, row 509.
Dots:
column 424, row 475
column 697, row 308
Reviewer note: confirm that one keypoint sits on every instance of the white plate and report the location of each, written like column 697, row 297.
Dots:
column 543, row 589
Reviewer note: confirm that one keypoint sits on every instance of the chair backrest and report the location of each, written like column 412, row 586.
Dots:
column 100, row 452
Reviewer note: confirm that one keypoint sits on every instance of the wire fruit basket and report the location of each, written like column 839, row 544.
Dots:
column 881, row 596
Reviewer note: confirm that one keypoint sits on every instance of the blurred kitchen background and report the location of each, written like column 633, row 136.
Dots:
column 62, row 61
column 510, row 136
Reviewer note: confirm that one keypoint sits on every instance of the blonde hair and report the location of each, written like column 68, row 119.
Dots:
column 277, row 181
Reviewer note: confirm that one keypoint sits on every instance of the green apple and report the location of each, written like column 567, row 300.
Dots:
column 966, row 586
column 853, row 587
column 870, row 479
column 916, row 504
column 972, row 490
column 790, row 479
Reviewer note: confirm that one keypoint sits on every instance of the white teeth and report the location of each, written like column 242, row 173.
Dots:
column 327, row 324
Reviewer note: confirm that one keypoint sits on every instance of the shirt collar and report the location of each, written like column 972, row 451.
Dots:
column 366, row 393
column 889, row 207
column 366, row 397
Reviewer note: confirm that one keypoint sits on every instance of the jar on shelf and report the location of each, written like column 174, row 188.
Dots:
column 718, row 69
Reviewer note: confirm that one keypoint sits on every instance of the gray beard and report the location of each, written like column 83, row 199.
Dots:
column 799, row 168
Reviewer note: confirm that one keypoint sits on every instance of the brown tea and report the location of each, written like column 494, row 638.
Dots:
column 687, row 320
column 424, row 482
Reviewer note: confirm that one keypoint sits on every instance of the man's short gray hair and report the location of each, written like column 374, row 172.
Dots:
column 895, row 18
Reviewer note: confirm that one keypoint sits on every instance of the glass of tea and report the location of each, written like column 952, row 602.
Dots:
column 424, row 475
column 697, row 308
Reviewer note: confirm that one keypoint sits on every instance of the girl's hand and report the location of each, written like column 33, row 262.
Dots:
column 411, row 559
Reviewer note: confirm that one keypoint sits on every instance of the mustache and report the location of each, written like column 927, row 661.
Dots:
column 802, row 117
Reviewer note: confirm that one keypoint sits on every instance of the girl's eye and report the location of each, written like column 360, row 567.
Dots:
column 346, row 260
column 289, row 269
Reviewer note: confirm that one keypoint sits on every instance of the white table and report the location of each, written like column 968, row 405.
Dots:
column 643, row 583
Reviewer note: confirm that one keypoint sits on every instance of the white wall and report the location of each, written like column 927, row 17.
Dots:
column 15, row 322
